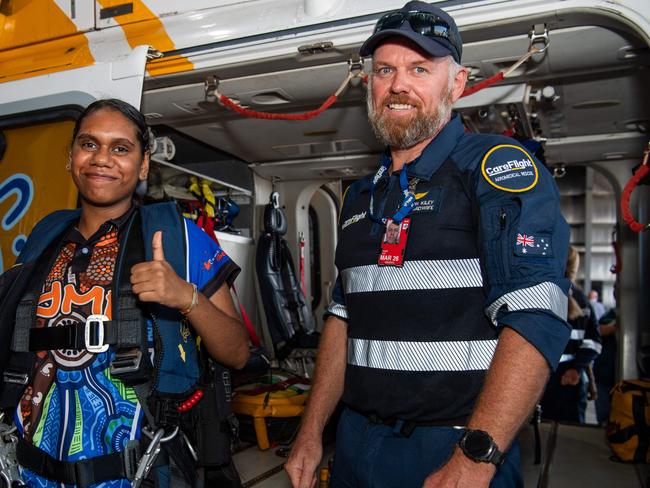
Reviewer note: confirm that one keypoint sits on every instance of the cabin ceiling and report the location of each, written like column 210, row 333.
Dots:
column 588, row 96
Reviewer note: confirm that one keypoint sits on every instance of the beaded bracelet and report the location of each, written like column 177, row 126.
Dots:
column 195, row 300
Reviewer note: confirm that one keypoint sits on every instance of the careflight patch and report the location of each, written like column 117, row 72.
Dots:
column 509, row 168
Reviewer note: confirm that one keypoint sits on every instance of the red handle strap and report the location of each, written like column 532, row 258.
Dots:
column 271, row 116
column 626, row 212
column 483, row 84
column 247, row 321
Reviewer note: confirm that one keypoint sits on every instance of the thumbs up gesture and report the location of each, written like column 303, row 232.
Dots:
column 156, row 281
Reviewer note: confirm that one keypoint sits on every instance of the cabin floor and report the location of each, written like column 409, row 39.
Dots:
column 265, row 469
column 571, row 456
column 580, row 457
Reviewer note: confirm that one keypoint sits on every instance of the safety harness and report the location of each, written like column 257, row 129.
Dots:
column 167, row 391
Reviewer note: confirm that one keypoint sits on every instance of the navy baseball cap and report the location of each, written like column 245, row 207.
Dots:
column 426, row 25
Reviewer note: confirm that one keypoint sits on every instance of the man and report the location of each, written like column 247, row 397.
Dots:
column 599, row 308
column 565, row 397
column 440, row 350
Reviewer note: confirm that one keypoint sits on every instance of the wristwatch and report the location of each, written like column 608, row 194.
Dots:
column 479, row 446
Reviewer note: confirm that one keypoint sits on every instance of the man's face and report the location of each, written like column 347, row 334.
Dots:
column 392, row 233
column 410, row 94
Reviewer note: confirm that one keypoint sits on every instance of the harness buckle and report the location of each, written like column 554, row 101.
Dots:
column 126, row 361
column 94, row 333
column 15, row 378
column 131, row 458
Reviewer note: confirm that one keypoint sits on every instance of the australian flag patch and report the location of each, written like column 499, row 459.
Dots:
column 533, row 245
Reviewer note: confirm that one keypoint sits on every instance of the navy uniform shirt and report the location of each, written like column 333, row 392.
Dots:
column 487, row 242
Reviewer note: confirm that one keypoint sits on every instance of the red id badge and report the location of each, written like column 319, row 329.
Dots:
column 393, row 243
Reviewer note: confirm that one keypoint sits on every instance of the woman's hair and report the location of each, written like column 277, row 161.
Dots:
column 571, row 272
column 572, row 263
column 126, row 109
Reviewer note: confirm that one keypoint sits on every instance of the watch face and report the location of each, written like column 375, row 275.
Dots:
column 477, row 444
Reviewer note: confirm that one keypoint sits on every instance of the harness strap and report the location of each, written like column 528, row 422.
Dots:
column 131, row 362
column 83, row 473
column 15, row 377
column 19, row 365
column 73, row 336
column 26, row 307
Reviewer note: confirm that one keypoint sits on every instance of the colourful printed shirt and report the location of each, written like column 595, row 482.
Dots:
column 73, row 408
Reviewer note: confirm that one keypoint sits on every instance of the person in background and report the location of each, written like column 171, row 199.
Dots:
column 599, row 308
column 565, row 397
column 605, row 364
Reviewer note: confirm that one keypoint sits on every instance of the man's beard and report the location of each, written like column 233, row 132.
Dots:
column 403, row 133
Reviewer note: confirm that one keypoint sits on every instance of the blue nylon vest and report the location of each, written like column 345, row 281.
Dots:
column 173, row 376
column 427, row 302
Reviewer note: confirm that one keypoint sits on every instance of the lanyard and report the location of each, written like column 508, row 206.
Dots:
column 408, row 190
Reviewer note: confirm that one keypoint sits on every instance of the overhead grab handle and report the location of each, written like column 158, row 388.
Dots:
column 355, row 70
column 532, row 49
column 641, row 172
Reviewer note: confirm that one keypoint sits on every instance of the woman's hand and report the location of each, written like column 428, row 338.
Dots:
column 156, row 281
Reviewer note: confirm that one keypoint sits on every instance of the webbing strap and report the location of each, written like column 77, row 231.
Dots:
column 83, row 473
column 72, row 336
column 26, row 308
column 246, row 319
column 24, row 321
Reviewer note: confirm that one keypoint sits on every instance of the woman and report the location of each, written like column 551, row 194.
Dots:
column 76, row 406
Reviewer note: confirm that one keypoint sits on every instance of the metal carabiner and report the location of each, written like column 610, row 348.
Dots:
column 210, row 88
column 355, row 67
column 151, row 454
column 148, row 458
column 535, row 38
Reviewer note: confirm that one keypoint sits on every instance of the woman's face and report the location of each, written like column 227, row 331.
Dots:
column 106, row 159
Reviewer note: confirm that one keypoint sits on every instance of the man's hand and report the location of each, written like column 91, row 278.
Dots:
column 156, row 281
column 571, row 377
column 461, row 472
column 303, row 461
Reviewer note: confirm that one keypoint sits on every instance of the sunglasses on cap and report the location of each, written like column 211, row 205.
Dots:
column 423, row 23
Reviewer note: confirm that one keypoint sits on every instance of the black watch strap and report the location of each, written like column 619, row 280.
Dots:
column 479, row 446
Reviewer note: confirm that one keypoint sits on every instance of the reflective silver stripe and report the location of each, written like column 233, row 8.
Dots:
column 547, row 296
column 591, row 344
column 567, row 357
column 341, row 311
column 421, row 356
column 414, row 275
column 577, row 334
